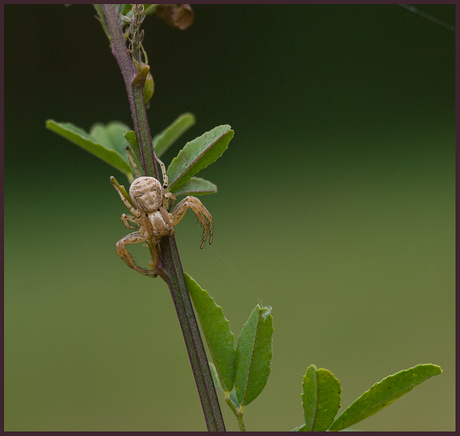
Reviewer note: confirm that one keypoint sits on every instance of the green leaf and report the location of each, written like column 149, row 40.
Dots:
column 111, row 136
column 198, row 154
column 102, row 20
column 196, row 186
column 168, row 136
column 233, row 398
column 320, row 398
column 253, row 355
column 300, row 428
column 107, row 152
column 150, row 9
column 149, row 88
column 384, row 393
column 130, row 137
column 216, row 329
column 215, row 376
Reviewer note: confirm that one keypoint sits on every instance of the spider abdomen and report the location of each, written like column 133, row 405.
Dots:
column 146, row 193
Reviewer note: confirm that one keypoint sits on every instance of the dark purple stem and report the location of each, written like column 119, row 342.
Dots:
column 193, row 341
column 170, row 260
column 134, row 89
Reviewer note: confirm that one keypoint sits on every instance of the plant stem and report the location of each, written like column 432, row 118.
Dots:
column 134, row 90
column 195, row 348
column 170, row 260
column 238, row 411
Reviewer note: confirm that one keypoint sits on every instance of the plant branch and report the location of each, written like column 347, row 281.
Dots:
column 238, row 411
column 134, row 82
column 193, row 341
column 171, row 268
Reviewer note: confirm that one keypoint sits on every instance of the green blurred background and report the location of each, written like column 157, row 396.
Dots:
column 335, row 207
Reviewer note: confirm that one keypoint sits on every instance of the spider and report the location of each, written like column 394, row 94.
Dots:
column 148, row 202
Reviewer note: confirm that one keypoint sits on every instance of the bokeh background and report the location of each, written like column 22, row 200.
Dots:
column 335, row 207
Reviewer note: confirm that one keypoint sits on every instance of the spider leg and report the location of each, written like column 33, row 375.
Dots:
column 168, row 196
column 129, row 218
column 200, row 211
column 138, row 174
column 163, row 172
column 155, row 262
column 155, row 253
column 123, row 198
column 122, row 251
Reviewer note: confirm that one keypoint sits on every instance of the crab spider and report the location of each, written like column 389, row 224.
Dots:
column 149, row 207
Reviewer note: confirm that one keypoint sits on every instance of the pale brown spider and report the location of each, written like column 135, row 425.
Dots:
column 150, row 203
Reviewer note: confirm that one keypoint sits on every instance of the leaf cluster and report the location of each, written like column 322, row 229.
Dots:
column 321, row 397
column 109, row 142
column 242, row 372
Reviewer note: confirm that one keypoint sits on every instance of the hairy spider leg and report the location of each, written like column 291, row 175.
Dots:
column 132, row 238
column 163, row 172
column 162, row 166
column 155, row 265
column 129, row 218
column 122, row 251
column 133, row 210
column 138, row 174
column 200, row 211
column 166, row 198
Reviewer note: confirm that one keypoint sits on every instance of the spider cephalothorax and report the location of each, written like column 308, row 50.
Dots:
column 151, row 218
